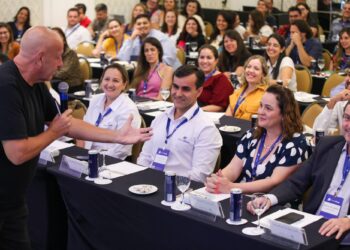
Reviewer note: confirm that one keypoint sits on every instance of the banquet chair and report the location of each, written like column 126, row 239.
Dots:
column 85, row 68
column 79, row 109
column 209, row 29
column 304, row 79
column 327, row 56
column 181, row 56
column 333, row 80
column 137, row 147
column 85, row 49
column 310, row 113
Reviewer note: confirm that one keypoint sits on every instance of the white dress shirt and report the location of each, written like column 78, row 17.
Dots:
column 194, row 147
column 76, row 35
column 331, row 118
column 122, row 107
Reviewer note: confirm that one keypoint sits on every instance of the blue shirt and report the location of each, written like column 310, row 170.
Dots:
column 337, row 25
column 131, row 49
column 312, row 46
column 337, row 89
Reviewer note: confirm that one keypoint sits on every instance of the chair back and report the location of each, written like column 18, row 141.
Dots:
column 180, row 54
column 304, row 79
column 334, row 80
column 209, row 29
column 327, row 56
column 85, row 68
column 78, row 107
column 137, row 147
column 85, row 49
column 310, row 113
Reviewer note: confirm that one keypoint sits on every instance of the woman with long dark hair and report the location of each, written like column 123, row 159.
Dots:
column 170, row 26
column 20, row 23
column 224, row 22
column 341, row 58
column 8, row 46
column 192, row 8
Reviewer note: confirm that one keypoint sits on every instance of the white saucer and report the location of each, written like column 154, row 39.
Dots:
column 167, row 203
column 230, row 129
column 236, row 223
column 143, row 189
column 102, row 181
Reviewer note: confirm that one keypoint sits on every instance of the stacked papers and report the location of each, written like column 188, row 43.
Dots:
column 304, row 97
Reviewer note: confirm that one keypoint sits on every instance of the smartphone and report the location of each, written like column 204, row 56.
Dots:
column 290, row 218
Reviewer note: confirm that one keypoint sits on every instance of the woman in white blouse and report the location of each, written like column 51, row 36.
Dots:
column 281, row 67
column 111, row 110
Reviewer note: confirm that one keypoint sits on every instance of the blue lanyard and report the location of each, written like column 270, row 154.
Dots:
column 178, row 126
column 239, row 102
column 209, row 75
column 100, row 117
column 346, row 170
column 145, row 82
column 75, row 28
column 259, row 160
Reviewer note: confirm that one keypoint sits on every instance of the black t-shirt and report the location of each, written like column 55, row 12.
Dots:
column 24, row 111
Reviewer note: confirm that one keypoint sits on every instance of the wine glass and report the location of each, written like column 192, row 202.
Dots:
column 103, row 152
column 194, row 46
column 321, row 63
column 182, row 183
column 259, row 202
column 165, row 93
column 94, row 87
column 109, row 58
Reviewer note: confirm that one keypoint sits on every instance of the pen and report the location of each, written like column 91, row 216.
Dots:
column 58, row 108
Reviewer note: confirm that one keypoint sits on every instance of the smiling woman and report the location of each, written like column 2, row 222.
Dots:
column 8, row 46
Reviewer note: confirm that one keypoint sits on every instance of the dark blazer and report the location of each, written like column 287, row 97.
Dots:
column 316, row 173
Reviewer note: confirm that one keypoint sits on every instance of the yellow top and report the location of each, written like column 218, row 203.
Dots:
column 109, row 45
column 251, row 103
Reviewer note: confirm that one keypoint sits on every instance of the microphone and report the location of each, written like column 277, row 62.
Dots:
column 63, row 90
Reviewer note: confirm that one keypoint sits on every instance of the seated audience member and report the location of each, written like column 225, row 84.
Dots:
column 170, row 26
column 293, row 14
column 269, row 153
column 184, row 138
column 308, row 18
column 111, row 110
column 257, row 27
column 233, row 55
column 8, row 46
column 237, row 24
column 302, row 47
column 111, row 40
column 216, row 88
column 270, row 19
column 341, row 58
column 171, row 5
column 3, row 58
column 324, row 178
column 340, row 23
column 191, row 39
column 131, row 48
column 331, row 116
column 99, row 24
column 155, row 13
column 70, row 70
column 192, row 8
column 151, row 74
column 271, row 9
column 224, row 22
column 244, row 102
column 281, row 67
column 20, row 23
column 75, row 33
column 138, row 9
column 84, row 20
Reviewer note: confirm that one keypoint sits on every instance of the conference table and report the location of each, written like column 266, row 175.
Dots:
column 111, row 217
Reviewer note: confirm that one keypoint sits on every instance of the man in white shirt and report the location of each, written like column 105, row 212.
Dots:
column 185, row 140
column 324, row 177
column 75, row 33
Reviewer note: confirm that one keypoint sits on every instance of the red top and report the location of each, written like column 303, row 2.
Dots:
column 216, row 91
column 85, row 22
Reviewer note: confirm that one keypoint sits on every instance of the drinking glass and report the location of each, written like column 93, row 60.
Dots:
column 259, row 202
column 321, row 64
column 103, row 152
column 109, row 58
column 165, row 93
column 94, row 87
column 182, row 183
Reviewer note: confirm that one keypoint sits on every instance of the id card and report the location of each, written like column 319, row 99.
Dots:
column 331, row 206
column 160, row 159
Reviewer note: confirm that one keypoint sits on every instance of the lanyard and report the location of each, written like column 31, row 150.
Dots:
column 74, row 29
column 210, row 75
column 178, row 126
column 116, row 45
column 346, row 170
column 100, row 117
column 145, row 82
column 239, row 102
column 259, row 160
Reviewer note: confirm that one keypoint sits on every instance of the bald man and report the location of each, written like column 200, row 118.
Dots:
column 26, row 106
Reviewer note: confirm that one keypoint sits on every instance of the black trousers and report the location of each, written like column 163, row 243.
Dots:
column 14, row 229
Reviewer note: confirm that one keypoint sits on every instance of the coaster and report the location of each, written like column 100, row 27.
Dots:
column 236, row 223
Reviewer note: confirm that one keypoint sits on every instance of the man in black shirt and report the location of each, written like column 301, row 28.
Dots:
column 26, row 106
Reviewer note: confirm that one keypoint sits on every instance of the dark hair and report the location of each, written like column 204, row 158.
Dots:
column 211, row 48
column 306, row 7
column 340, row 53
column 228, row 62
column 114, row 20
column 81, row 6
column 199, row 8
column 145, row 15
column 143, row 66
column 118, row 67
column 228, row 18
column 11, row 39
column 258, row 19
column 101, row 7
column 282, row 43
column 27, row 23
column 73, row 9
column 164, row 27
column 63, row 36
column 175, row 6
column 289, row 109
column 183, row 35
column 303, row 27
column 294, row 8
column 347, row 104
column 186, row 70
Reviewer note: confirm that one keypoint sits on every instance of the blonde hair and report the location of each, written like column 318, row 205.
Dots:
column 265, row 78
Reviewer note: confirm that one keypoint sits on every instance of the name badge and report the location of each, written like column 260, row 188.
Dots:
column 160, row 159
column 193, row 55
column 331, row 206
